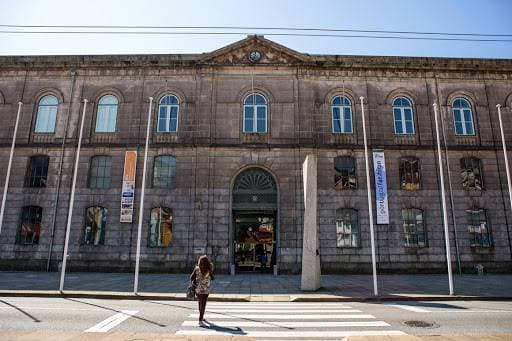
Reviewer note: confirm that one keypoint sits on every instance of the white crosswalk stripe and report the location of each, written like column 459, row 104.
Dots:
column 285, row 321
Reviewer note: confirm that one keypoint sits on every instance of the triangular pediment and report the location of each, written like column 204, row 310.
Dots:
column 263, row 51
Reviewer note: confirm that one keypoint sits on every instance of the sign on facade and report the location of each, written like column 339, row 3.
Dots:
column 128, row 192
column 381, row 188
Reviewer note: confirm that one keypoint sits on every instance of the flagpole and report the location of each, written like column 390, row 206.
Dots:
column 141, row 206
column 504, row 154
column 443, row 199
column 72, row 201
column 8, row 175
column 370, row 209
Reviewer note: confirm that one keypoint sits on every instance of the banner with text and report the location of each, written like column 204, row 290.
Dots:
column 128, row 193
column 381, row 188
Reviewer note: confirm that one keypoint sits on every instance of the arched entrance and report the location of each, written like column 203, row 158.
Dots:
column 254, row 212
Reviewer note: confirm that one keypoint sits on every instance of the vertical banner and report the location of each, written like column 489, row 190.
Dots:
column 381, row 188
column 128, row 193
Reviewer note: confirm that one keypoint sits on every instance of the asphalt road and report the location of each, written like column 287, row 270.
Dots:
column 262, row 320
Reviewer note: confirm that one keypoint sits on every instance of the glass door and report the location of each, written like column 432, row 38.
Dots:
column 254, row 241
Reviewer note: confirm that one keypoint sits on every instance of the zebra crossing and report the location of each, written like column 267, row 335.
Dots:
column 267, row 321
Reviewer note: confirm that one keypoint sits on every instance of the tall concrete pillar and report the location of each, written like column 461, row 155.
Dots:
column 310, row 278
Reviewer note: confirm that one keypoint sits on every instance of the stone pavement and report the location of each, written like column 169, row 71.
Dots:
column 263, row 287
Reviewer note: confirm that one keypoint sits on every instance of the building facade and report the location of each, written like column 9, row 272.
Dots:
column 229, row 132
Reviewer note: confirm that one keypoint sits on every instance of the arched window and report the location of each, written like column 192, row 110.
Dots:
column 348, row 233
column 410, row 175
column 403, row 116
column 463, row 117
column 341, row 115
column 30, row 227
column 168, row 113
column 255, row 113
column 95, row 222
column 471, row 173
column 160, row 227
column 107, row 114
column 414, row 227
column 100, row 171
column 345, row 173
column 164, row 171
column 47, row 114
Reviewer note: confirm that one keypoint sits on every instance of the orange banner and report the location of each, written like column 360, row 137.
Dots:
column 130, row 165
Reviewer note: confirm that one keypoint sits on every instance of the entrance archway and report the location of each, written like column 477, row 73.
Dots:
column 254, row 214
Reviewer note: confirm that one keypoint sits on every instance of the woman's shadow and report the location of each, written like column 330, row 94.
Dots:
column 213, row 326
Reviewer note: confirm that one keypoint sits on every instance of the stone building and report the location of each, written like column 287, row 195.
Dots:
column 229, row 132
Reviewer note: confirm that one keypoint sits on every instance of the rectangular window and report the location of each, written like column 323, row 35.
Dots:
column 471, row 173
column 95, row 221
column 345, row 173
column 30, row 227
column 479, row 231
column 164, row 171
column 37, row 172
column 409, row 169
column 414, row 228
column 347, row 228
column 100, row 172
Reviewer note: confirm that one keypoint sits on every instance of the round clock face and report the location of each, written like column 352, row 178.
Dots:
column 254, row 56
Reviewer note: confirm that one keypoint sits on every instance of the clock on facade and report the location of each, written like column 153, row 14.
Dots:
column 254, row 56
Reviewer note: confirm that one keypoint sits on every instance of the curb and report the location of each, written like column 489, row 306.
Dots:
column 244, row 298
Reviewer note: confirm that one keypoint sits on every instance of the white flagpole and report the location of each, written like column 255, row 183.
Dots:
column 370, row 208
column 504, row 154
column 141, row 206
column 445, row 216
column 72, row 201
column 8, row 175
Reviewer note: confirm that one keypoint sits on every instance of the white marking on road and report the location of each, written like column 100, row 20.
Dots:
column 54, row 308
column 471, row 311
column 408, row 307
column 300, row 334
column 274, row 324
column 284, row 311
column 111, row 322
column 273, row 304
column 280, row 317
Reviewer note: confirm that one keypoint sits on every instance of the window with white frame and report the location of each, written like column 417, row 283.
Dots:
column 348, row 233
column 168, row 113
column 463, row 117
column 107, row 114
column 255, row 113
column 403, row 116
column 95, row 223
column 414, row 227
column 47, row 114
column 341, row 115
column 479, row 231
column 160, row 227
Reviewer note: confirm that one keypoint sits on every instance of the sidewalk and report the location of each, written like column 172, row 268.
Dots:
column 259, row 287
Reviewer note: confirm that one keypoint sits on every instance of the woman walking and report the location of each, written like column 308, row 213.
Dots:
column 202, row 275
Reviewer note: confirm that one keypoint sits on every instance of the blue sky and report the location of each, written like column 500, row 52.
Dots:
column 468, row 16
